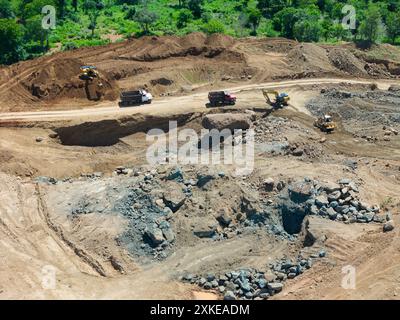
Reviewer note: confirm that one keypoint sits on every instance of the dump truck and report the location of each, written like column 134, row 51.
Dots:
column 281, row 99
column 135, row 97
column 88, row 73
column 325, row 123
column 221, row 98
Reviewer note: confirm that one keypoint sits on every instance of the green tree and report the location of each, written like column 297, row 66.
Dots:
column 214, row 26
column 195, row 6
column 371, row 28
column 254, row 18
column 146, row 18
column 75, row 5
column 93, row 9
column 35, row 32
column 285, row 20
column 393, row 26
column 269, row 8
column 34, row 8
column 184, row 17
column 307, row 30
column 11, row 39
column 6, row 10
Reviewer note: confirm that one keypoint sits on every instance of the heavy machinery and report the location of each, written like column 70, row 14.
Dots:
column 281, row 99
column 136, row 97
column 88, row 73
column 325, row 123
column 221, row 98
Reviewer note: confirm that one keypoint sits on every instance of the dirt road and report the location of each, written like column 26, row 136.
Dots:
column 194, row 102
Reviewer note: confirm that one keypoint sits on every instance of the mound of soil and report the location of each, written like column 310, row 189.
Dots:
column 59, row 79
column 308, row 55
column 196, row 44
column 345, row 61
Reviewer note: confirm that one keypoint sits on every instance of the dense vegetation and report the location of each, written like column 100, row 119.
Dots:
column 92, row 22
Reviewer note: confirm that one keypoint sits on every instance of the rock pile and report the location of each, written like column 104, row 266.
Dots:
column 341, row 202
column 253, row 284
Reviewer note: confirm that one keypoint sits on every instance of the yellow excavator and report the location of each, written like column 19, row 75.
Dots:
column 88, row 73
column 281, row 99
column 325, row 124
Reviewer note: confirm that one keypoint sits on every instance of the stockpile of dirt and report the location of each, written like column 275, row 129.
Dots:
column 345, row 61
column 159, row 48
column 59, row 79
column 309, row 56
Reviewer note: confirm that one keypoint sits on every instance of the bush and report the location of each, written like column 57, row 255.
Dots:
column 214, row 26
column 307, row 31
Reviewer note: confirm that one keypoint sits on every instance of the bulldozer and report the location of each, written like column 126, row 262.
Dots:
column 88, row 73
column 281, row 99
column 325, row 123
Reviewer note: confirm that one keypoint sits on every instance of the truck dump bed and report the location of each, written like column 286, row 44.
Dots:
column 131, row 97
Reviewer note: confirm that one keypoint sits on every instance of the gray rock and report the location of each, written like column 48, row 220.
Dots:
column 223, row 217
column 168, row 234
column 334, row 196
column 388, row 226
column 203, row 179
column 314, row 210
column 155, row 235
column 331, row 187
column 214, row 283
column 229, row 295
column 369, row 216
column 245, row 286
column 210, row 277
column 269, row 184
column 298, row 152
column 344, row 181
column 175, row 174
column 262, row 283
column 173, row 196
column 202, row 281
column 275, row 286
column 248, row 295
column 280, row 185
column 207, row 286
column 331, row 213
column 321, row 200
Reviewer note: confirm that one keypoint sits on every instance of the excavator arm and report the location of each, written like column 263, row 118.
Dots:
column 267, row 94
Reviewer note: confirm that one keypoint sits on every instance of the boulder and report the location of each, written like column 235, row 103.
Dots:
column 321, row 200
column 300, row 191
column 223, row 217
column 331, row 187
column 388, row 226
column 269, row 184
column 298, row 152
column 275, row 286
column 331, row 213
column 155, row 235
column 229, row 295
column 173, row 196
column 334, row 196
column 230, row 121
